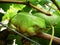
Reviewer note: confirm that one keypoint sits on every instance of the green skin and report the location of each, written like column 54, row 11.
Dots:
column 30, row 23
column 27, row 23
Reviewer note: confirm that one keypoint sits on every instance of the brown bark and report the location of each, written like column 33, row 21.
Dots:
column 48, row 37
column 28, row 4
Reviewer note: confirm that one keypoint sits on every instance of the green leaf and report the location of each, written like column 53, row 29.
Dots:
column 18, row 6
column 27, row 9
column 17, row 38
column 9, row 14
column 5, row 6
column 44, row 2
column 12, row 11
column 35, row 2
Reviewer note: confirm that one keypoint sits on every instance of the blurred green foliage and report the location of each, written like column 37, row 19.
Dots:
column 27, row 20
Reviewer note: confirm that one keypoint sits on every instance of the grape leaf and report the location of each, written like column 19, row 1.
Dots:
column 14, row 8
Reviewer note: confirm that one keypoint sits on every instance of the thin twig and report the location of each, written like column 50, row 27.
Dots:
column 14, row 2
column 40, row 35
column 40, row 10
column 54, row 8
column 52, row 36
column 28, row 4
column 54, row 1
column 19, row 34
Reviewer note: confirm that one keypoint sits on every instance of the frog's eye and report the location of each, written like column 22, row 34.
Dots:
column 19, row 11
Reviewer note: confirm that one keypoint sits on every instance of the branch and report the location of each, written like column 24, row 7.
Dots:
column 54, row 1
column 29, row 4
column 14, row 2
column 41, row 35
column 39, row 9
column 16, row 31
column 48, row 37
column 54, row 8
